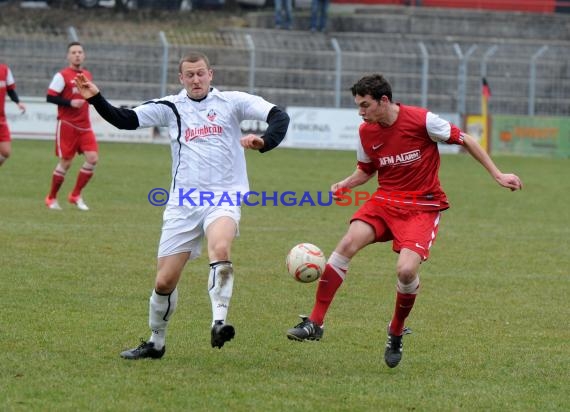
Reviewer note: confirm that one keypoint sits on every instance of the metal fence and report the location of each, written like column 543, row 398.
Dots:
column 302, row 69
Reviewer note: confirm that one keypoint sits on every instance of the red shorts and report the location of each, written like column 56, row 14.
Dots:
column 411, row 229
column 71, row 140
column 4, row 132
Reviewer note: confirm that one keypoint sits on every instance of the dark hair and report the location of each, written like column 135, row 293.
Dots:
column 375, row 85
column 194, row 57
column 73, row 43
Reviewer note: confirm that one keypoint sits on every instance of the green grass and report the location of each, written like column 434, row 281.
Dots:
column 490, row 324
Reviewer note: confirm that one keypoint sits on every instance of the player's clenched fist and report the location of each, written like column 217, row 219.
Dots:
column 252, row 141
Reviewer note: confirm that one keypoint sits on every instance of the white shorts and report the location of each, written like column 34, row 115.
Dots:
column 185, row 234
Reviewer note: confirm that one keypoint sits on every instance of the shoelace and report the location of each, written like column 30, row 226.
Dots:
column 394, row 342
column 142, row 345
column 300, row 324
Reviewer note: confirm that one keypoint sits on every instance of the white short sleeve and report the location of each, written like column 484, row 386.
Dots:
column 10, row 78
column 57, row 83
column 154, row 113
column 439, row 130
column 360, row 155
column 251, row 107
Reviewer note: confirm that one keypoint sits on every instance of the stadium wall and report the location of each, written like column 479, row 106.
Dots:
column 533, row 6
column 542, row 6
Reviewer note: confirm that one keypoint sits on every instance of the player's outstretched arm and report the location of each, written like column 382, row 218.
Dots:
column 508, row 180
column 119, row 117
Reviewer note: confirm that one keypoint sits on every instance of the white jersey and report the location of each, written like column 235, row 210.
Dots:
column 205, row 142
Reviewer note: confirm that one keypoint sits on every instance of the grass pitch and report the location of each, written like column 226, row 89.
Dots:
column 490, row 324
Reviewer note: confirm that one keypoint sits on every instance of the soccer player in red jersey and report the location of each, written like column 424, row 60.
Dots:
column 7, row 86
column 73, row 134
column 398, row 144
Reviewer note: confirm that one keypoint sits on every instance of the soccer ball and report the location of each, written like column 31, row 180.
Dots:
column 305, row 262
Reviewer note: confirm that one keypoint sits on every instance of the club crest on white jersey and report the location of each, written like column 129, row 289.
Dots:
column 211, row 115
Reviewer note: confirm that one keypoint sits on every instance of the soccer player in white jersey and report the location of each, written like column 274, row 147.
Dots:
column 207, row 157
column 398, row 145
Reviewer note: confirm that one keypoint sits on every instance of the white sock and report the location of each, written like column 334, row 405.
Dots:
column 161, row 308
column 88, row 167
column 2, row 158
column 220, row 287
column 60, row 170
column 339, row 263
column 411, row 288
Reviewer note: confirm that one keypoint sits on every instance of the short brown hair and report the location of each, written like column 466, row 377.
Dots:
column 73, row 43
column 194, row 57
column 374, row 85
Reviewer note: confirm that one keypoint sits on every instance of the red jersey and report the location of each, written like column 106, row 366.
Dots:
column 63, row 85
column 406, row 158
column 6, row 83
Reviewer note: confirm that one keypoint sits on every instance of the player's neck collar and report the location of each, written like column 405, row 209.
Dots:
column 196, row 100
column 199, row 100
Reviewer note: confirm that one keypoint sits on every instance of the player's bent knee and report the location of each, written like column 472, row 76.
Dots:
column 348, row 246
column 220, row 251
column 164, row 289
column 407, row 273
column 165, row 285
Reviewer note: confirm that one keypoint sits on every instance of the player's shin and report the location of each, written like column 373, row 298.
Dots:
column 161, row 308
column 220, row 288
column 57, row 179
column 330, row 281
column 405, row 298
column 85, row 174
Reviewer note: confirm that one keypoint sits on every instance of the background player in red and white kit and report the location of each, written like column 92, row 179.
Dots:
column 398, row 144
column 207, row 148
column 73, row 134
column 7, row 86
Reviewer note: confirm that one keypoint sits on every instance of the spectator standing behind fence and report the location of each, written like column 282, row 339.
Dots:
column 208, row 157
column 284, row 14
column 73, row 132
column 319, row 15
column 7, row 86
column 398, row 145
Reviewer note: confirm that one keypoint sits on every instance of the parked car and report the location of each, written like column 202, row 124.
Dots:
column 130, row 4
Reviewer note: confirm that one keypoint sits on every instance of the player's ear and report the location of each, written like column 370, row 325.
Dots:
column 180, row 78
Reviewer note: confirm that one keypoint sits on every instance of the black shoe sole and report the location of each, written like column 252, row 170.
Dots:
column 290, row 336
column 155, row 354
column 295, row 338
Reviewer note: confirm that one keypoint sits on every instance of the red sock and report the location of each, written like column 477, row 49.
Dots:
column 329, row 283
column 82, row 179
column 404, row 305
column 56, row 182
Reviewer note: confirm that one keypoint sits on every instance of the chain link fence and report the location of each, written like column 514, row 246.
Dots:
column 302, row 69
